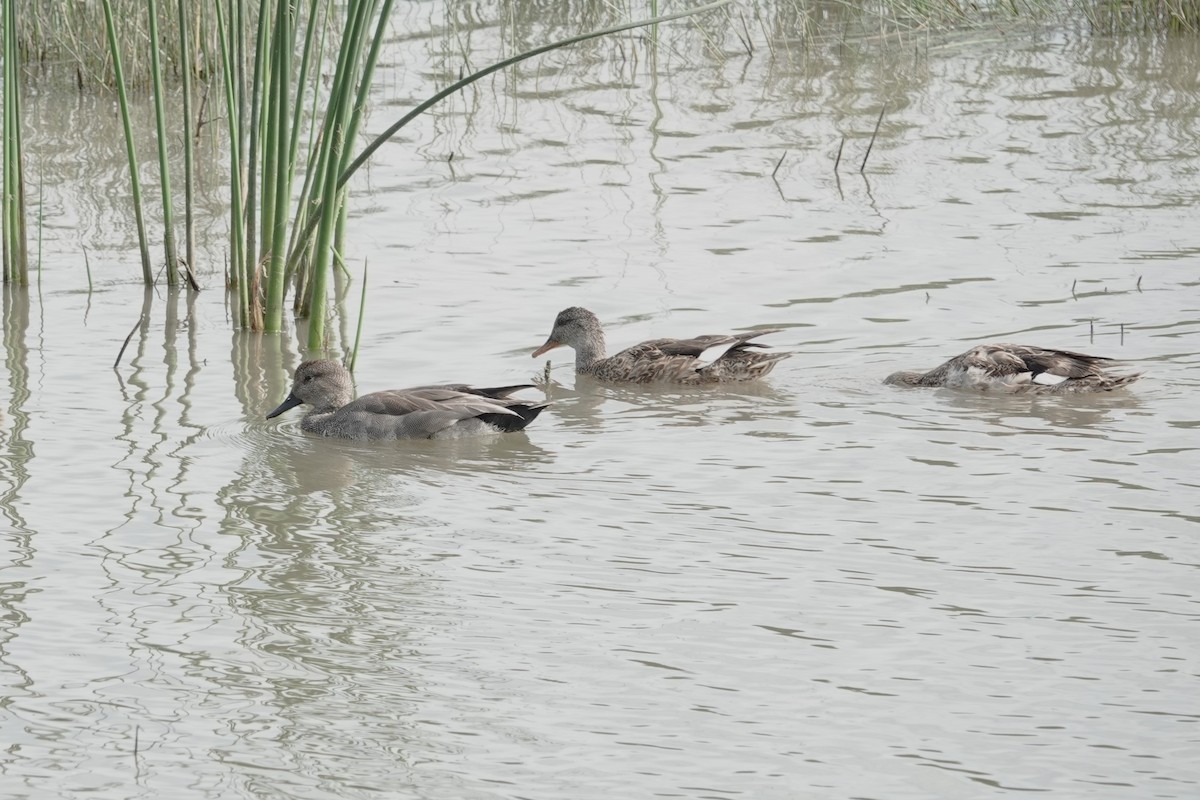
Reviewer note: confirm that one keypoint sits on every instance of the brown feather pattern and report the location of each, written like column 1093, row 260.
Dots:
column 675, row 361
column 1021, row 369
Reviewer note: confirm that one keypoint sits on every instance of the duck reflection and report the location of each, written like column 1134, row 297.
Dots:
column 1018, row 413
column 581, row 405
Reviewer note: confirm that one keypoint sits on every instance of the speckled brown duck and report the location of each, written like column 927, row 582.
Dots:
column 713, row 359
column 1020, row 369
column 423, row 412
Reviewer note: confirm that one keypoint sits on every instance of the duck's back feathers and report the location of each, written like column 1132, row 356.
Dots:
column 494, row 392
column 1021, row 369
column 714, row 358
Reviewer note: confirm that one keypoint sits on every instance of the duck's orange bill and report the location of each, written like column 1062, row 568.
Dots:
column 547, row 347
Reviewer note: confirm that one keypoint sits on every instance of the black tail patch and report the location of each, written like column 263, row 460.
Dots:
column 507, row 422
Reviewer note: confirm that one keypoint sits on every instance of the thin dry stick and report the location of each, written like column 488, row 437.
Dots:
column 874, row 133
column 362, row 309
column 778, row 164
column 191, row 276
column 141, row 321
column 838, row 160
column 746, row 40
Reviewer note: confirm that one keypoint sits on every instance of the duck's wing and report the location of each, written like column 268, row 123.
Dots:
column 423, row 411
column 493, row 392
column 517, row 413
column 701, row 359
column 693, row 348
column 1047, row 367
column 1042, row 370
column 1021, row 368
column 398, row 402
column 671, row 360
column 712, row 347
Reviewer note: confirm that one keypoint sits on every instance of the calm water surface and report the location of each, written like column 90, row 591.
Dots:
column 819, row 587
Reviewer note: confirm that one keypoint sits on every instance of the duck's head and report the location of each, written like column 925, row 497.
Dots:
column 322, row 384
column 572, row 327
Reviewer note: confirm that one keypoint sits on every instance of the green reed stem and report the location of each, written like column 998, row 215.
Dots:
column 355, row 121
column 237, row 234
column 316, row 23
column 273, row 83
column 16, row 260
column 189, row 158
column 252, row 105
column 130, row 149
column 338, row 114
column 164, row 164
column 278, row 175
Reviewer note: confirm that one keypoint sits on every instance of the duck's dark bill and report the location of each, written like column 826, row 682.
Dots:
column 547, row 347
column 291, row 402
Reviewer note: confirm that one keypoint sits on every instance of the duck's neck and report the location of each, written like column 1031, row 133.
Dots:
column 319, row 414
column 341, row 395
column 590, row 351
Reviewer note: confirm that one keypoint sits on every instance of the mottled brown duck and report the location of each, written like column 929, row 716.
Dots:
column 423, row 412
column 713, row 359
column 1021, row 369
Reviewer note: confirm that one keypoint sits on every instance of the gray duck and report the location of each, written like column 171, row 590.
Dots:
column 712, row 359
column 423, row 412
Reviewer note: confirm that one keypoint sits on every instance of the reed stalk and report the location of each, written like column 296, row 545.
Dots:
column 130, row 148
column 16, row 260
column 313, row 47
column 164, row 166
column 189, row 156
column 227, row 37
column 347, row 100
column 277, row 173
column 251, row 104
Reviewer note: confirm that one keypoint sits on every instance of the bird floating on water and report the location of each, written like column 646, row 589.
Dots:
column 422, row 412
column 1021, row 369
column 712, row 359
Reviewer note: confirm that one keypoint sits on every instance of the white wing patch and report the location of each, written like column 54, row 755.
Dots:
column 1048, row 379
column 713, row 355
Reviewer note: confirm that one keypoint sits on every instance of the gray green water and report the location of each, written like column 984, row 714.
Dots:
column 820, row 587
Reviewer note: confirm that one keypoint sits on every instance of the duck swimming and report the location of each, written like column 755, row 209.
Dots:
column 423, row 412
column 719, row 358
column 1020, row 369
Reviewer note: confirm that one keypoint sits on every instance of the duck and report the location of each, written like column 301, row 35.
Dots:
column 710, row 359
column 1020, row 369
column 445, row 411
